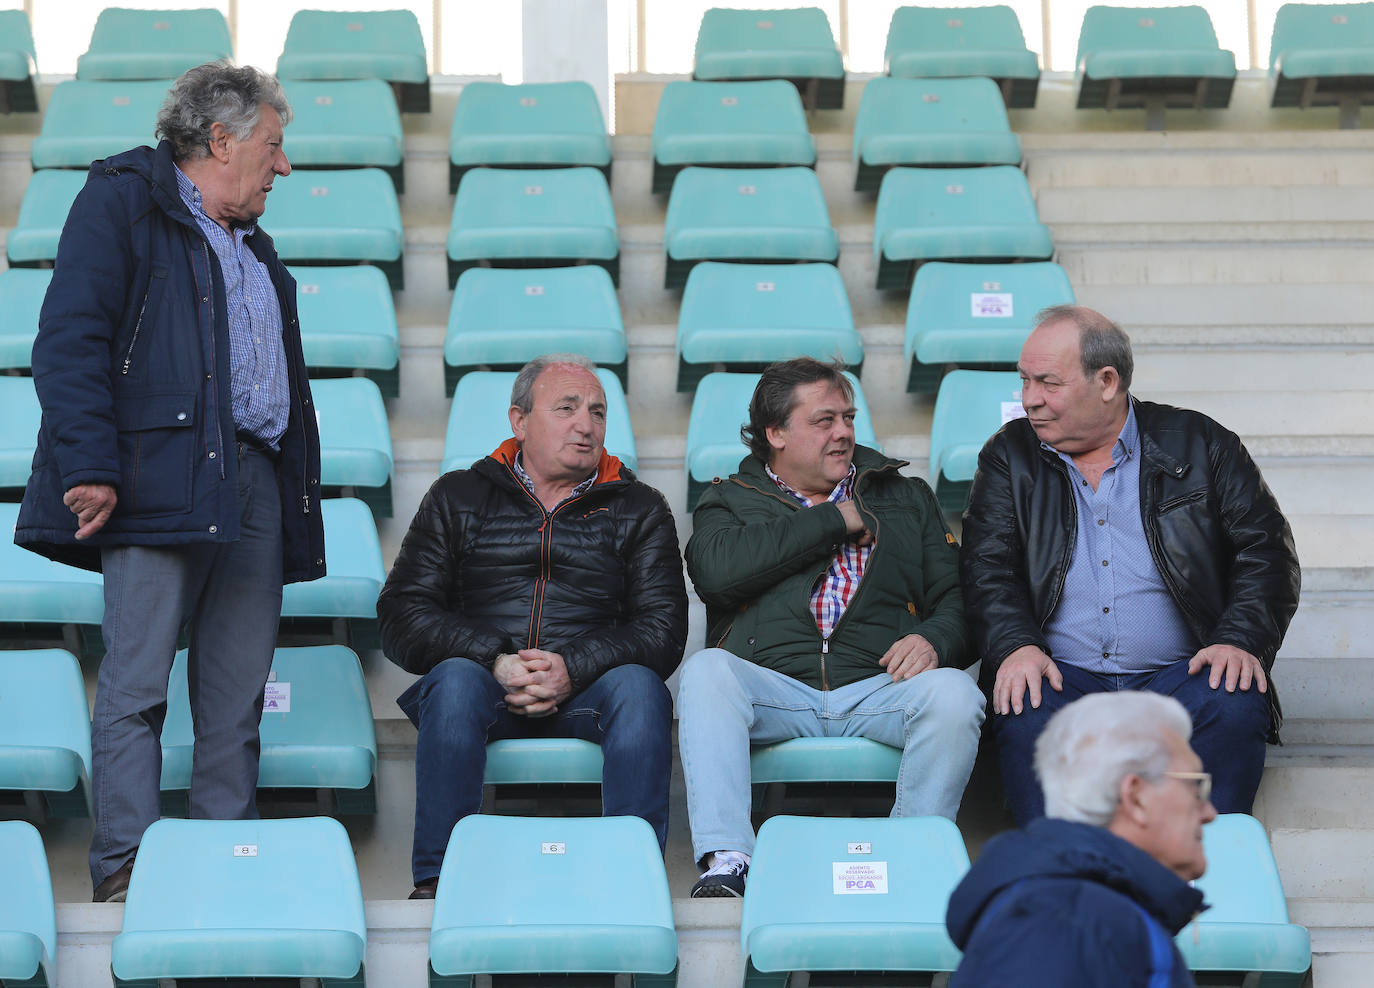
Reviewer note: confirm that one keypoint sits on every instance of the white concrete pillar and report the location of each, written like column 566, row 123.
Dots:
column 565, row 40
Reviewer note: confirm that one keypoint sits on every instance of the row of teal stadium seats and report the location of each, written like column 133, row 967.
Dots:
column 824, row 895
column 1127, row 56
column 560, row 216
column 161, row 44
column 735, row 317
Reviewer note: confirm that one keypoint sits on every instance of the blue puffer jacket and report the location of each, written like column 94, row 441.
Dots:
column 131, row 364
column 1070, row 919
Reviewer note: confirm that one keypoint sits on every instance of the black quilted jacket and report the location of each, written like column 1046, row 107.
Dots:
column 484, row 570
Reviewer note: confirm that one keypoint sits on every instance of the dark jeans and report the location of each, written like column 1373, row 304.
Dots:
column 1229, row 731
column 459, row 706
column 230, row 592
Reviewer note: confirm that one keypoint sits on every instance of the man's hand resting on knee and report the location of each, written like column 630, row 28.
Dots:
column 909, row 656
column 1020, row 673
column 1238, row 666
column 536, row 681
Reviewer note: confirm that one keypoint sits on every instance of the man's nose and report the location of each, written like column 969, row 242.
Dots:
column 282, row 166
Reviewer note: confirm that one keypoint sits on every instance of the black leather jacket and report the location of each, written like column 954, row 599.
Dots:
column 485, row 570
column 1215, row 532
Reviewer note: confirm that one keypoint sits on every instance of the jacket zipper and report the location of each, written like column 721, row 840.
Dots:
column 825, row 639
column 210, row 297
column 138, row 326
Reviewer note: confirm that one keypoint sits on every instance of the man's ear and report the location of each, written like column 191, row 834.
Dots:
column 1111, row 383
column 1131, row 803
column 776, row 436
column 219, row 142
column 517, row 422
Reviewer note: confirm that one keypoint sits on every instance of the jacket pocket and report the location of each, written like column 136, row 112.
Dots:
column 156, row 452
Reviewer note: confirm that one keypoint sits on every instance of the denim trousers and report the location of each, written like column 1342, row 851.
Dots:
column 230, row 592
column 459, row 706
column 1229, row 731
column 726, row 703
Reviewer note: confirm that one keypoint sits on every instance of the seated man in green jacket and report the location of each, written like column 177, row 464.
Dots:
column 833, row 604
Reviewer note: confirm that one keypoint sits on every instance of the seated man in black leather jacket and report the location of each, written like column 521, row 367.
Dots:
column 1112, row 543
column 540, row 594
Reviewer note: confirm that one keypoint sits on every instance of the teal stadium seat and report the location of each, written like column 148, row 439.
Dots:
column 35, row 591
column 351, row 123
column 940, row 42
column 355, row 441
column 384, row 44
column 809, row 761
column 153, row 44
column 743, row 317
column 346, row 216
column 347, row 595
column 86, row 121
column 1154, row 57
column 720, row 407
column 533, row 125
column 971, row 406
column 975, row 315
column 542, row 761
column 535, row 217
column 796, row 45
column 243, row 899
column 21, row 413
column 21, row 297
column 731, row 124
column 28, row 915
column 954, row 214
column 478, row 421
column 47, row 199
column 18, row 63
column 487, row 921
column 851, row 895
column 348, row 323
column 930, row 122
column 746, row 214
column 45, row 733
column 316, row 731
column 502, row 319
column 1246, row 933
column 1323, row 54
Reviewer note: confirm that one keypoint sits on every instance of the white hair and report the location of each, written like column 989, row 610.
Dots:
column 1093, row 743
column 522, row 390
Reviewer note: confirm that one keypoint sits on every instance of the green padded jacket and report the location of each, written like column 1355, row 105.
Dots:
column 755, row 555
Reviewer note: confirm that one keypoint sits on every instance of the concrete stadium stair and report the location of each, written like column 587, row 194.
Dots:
column 1236, row 248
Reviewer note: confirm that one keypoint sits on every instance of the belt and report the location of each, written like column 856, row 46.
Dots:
column 256, row 444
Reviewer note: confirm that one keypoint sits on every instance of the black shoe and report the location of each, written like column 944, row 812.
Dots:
column 724, row 881
column 425, row 888
column 115, row 887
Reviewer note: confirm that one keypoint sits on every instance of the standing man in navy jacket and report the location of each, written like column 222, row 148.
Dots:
column 178, row 451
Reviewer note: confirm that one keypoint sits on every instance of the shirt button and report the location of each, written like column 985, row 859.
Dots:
column 1104, row 562
column 214, row 529
column 1106, row 610
column 1106, row 655
column 255, row 387
column 1102, row 521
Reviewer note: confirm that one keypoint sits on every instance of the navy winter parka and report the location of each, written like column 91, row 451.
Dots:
column 1069, row 920
column 131, row 364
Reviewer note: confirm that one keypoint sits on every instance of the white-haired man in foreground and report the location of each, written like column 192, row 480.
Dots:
column 1094, row 892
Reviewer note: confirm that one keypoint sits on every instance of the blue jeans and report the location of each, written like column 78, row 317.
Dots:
column 726, row 703
column 230, row 592
column 459, row 706
column 1229, row 731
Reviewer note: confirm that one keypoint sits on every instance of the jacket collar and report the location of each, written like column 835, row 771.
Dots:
column 751, row 468
column 608, row 470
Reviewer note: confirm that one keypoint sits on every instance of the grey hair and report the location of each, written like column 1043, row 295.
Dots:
column 1101, row 342
column 522, row 391
column 1093, row 743
column 775, row 397
column 217, row 92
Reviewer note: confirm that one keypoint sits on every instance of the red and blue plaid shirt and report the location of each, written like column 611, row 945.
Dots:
column 834, row 590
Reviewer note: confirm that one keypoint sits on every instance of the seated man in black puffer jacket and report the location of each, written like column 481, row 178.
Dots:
column 540, row 594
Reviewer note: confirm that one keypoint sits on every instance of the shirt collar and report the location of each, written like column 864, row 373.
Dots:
column 842, row 491
column 518, row 465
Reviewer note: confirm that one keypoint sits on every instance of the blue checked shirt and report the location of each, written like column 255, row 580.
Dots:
column 259, row 389
column 832, row 593
column 1115, row 615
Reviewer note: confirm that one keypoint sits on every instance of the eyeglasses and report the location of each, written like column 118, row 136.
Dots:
column 1203, row 780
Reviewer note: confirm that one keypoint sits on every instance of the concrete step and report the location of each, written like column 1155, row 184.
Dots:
column 1326, row 267
column 1342, row 207
column 1160, row 160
